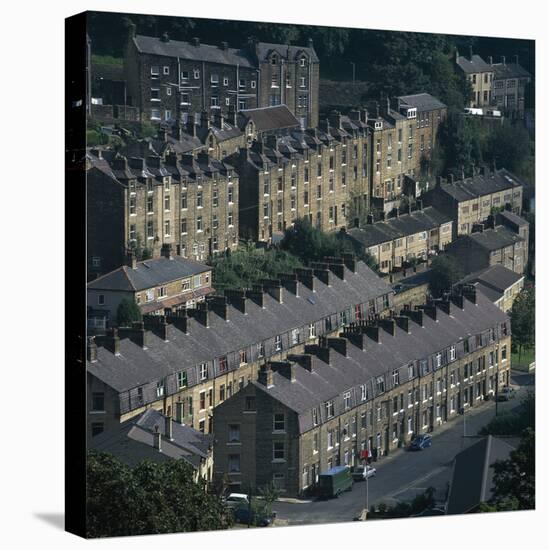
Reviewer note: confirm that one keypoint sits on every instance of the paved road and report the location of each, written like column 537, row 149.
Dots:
column 404, row 474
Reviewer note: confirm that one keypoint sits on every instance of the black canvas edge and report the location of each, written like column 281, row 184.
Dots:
column 75, row 274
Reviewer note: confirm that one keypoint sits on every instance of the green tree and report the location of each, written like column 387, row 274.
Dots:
column 523, row 320
column 127, row 313
column 445, row 272
column 514, row 422
column 270, row 495
column 514, row 479
column 149, row 498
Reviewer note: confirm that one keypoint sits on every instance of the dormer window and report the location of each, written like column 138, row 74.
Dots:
column 378, row 125
column 274, row 60
column 302, row 62
column 411, row 113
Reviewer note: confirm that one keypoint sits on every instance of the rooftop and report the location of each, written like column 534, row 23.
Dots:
column 423, row 102
column 270, row 118
column 494, row 239
column 495, row 279
column 148, row 274
column 475, row 64
column 509, row 70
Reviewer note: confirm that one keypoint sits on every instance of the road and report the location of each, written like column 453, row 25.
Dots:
column 402, row 475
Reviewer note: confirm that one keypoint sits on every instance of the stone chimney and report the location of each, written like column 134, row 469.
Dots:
column 403, row 323
column 165, row 37
column 274, row 288
column 339, row 344
column 157, row 439
column 370, row 219
column 219, row 119
column 516, row 59
column 204, row 119
column 224, row 46
column 372, row 331
column 196, row 41
column 457, row 299
column 336, row 266
column 289, row 282
column 470, row 53
column 284, row 368
column 168, row 428
column 157, row 324
column 490, row 60
column 180, row 320
column 305, row 360
column 202, row 314
column 220, row 305
column 310, row 43
column 430, row 310
column 265, row 376
column 470, row 292
column 503, row 60
column 322, row 273
column 112, row 341
column 92, row 349
column 388, row 325
column 491, row 222
column 257, row 296
column 415, row 314
column 451, row 178
column 350, row 262
column 444, row 305
column 320, row 351
column 305, row 275
column 131, row 259
column 237, row 298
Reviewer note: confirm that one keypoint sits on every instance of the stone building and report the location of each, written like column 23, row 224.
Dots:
column 403, row 238
column 201, row 357
column 480, row 75
column 509, row 87
column 320, row 174
column 156, row 285
column 158, row 438
column 488, row 245
column 172, row 80
column 372, row 387
column 188, row 201
column 471, row 200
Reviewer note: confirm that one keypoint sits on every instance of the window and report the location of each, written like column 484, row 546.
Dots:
column 504, row 353
column 155, row 94
column 167, row 203
column 199, row 226
column 222, row 364
column 315, row 417
column 155, row 70
column 203, row 371
column 380, row 383
column 295, row 336
column 160, row 388
column 222, row 392
column 234, row 433
column 438, row 360
column 278, row 342
column 278, row 451
column 182, row 379
column 234, row 463
column 453, row 353
column 363, row 392
column 279, row 422
column 98, row 401
column 250, row 402
column 396, row 377
column 347, row 400
column 329, row 409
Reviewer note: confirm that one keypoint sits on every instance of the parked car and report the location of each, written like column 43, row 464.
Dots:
column 421, row 442
column 242, row 515
column 360, row 473
column 234, row 500
column 505, row 393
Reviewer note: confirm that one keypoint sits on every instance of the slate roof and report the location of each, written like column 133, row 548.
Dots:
column 496, row 277
column 494, row 239
column 423, row 102
column 328, row 381
column 509, row 70
column 395, row 228
column 471, row 188
column 472, row 479
column 148, row 274
column 187, row 50
column 263, row 49
column 136, row 366
column 132, row 441
column 513, row 218
column 270, row 118
column 476, row 65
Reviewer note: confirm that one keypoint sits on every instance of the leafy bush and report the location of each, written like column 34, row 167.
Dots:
column 127, row 313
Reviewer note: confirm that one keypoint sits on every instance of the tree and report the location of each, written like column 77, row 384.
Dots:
column 270, row 494
column 149, row 498
column 445, row 272
column 514, row 479
column 523, row 320
column 127, row 313
column 514, row 422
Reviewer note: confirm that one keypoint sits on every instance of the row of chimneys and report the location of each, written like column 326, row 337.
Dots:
column 168, row 426
column 479, row 227
column 370, row 218
column 358, row 333
column 166, row 251
column 483, row 170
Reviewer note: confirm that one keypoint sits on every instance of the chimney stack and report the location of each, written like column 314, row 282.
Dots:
column 204, row 119
column 490, row 60
column 305, row 275
column 350, row 262
column 224, row 46
column 257, row 296
column 470, row 53
column 415, row 314
column 112, row 341
column 220, row 305
column 165, row 37
column 265, row 376
column 168, row 428
column 320, row 351
column 403, row 323
column 451, row 178
column 284, row 368
column 339, row 344
column 92, row 349
column 196, row 41
column 503, row 60
column 202, row 314
column 470, row 292
column 305, row 360
column 491, row 222
column 274, row 288
column 373, row 332
column 237, row 298
column 388, row 325
column 157, row 439
column 515, row 59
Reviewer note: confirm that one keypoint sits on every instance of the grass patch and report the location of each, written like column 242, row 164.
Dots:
column 107, row 60
column 527, row 356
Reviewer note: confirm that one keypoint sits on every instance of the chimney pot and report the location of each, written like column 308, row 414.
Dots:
column 196, row 41
column 157, row 439
column 168, row 428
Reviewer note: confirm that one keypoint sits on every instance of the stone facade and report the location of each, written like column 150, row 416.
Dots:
column 480, row 75
column 264, row 435
column 191, row 203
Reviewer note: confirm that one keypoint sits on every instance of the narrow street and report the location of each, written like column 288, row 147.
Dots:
column 403, row 474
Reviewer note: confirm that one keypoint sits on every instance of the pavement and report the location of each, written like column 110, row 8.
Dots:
column 403, row 474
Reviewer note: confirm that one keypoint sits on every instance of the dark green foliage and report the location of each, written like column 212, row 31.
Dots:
column 514, row 479
column 417, row 505
column 94, row 138
column 141, row 252
column 445, row 272
column 523, row 320
column 247, row 265
column 149, row 498
column 269, row 494
column 147, row 130
column 513, row 422
column 310, row 244
column 127, row 313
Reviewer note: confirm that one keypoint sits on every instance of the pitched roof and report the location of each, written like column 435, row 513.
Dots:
column 474, row 65
column 509, row 70
column 473, row 475
column 263, row 49
column 136, row 366
column 394, row 228
column 494, row 239
column 270, row 118
column 497, row 277
column 133, row 441
column 328, row 381
column 513, row 218
column 148, row 274
column 423, row 102
column 187, row 50
column 479, row 185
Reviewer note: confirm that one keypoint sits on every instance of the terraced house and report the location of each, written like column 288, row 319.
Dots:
column 408, row 237
column 146, row 202
column 469, row 201
column 372, row 387
column 172, row 80
column 186, row 363
column 320, row 173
